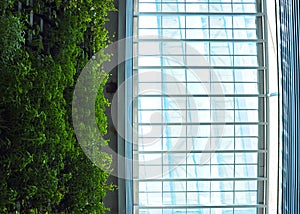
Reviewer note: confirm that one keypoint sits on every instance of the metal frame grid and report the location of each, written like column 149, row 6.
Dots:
column 230, row 36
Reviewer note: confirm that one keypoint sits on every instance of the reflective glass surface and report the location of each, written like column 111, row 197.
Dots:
column 199, row 113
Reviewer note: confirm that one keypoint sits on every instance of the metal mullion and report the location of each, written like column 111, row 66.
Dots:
column 135, row 107
column 195, row 28
column 196, row 82
column 195, row 2
column 203, row 179
column 202, row 165
column 195, row 67
column 176, row 110
column 266, row 104
column 203, row 206
column 186, row 114
column 238, row 68
column 196, row 109
column 198, row 14
column 210, row 113
column 181, row 191
column 203, row 109
column 190, row 28
column 263, row 104
column 162, row 101
column 148, row 55
column 234, row 128
column 238, row 137
column 195, row 40
column 206, row 95
column 204, row 151
column 227, row 137
column 176, row 164
column 204, row 123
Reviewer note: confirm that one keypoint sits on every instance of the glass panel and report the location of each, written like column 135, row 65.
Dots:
column 200, row 107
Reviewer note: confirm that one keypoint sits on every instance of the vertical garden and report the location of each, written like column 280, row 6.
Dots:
column 43, row 47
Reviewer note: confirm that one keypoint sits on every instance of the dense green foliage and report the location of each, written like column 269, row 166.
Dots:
column 43, row 168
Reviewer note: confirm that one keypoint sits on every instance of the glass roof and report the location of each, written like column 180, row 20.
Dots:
column 200, row 127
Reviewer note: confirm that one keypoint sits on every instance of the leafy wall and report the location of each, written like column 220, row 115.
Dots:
column 44, row 46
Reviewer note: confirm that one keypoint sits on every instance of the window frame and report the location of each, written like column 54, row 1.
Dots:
column 125, row 188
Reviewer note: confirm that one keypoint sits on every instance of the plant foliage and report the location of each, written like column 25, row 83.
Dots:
column 43, row 168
